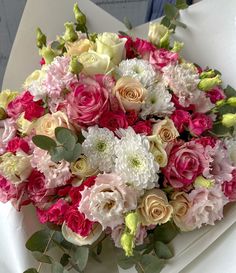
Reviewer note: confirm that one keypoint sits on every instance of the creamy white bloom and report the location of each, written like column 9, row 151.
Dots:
column 98, row 147
column 183, row 80
column 134, row 163
column 7, row 132
column 158, row 101
column 140, row 70
column 230, row 144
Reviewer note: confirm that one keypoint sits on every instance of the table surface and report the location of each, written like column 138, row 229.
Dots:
column 210, row 39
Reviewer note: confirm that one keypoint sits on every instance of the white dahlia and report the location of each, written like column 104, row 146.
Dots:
column 134, row 163
column 140, row 70
column 98, row 147
column 158, row 101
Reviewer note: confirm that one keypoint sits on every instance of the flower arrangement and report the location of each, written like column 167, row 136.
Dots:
column 117, row 138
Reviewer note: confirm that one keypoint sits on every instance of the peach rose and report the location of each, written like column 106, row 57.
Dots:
column 130, row 93
column 158, row 151
column 154, row 208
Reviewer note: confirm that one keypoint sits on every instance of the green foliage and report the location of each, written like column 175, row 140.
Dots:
column 43, row 258
column 165, row 233
column 44, row 142
column 230, row 91
column 149, row 264
column 80, row 257
column 162, row 250
column 39, row 241
column 66, row 137
column 65, row 259
column 181, row 4
column 58, row 268
column 220, row 130
column 127, row 23
column 31, row 270
column 99, row 248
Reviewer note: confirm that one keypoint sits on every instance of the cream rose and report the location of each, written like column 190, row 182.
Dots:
column 130, row 93
column 78, row 47
column 81, row 168
column 158, row 33
column 47, row 124
column 111, row 45
column 181, row 204
column 77, row 239
column 37, row 75
column 95, row 63
column 166, row 130
column 24, row 126
column 154, row 208
column 158, row 151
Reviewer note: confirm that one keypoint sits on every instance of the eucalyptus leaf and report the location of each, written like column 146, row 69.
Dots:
column 43, row 258
column 126, row 262
column 123, row 33
column 181, row 4
column 31, row 270
column 162, row 250
column 80, row 256
column 66, row 137
column 171, row 11
column 44, row 142
column 178, row 23
column 58, row 268
column 221, row 131
column 149, row 264
column 94, row 256
column 72, row 156
column 226, row 109
column 65, row 259
column 39, row 241
column 57, row 154
column 230, row 91
column 166, row 232
column 166, row 22
column 99, row 248
column 127, row 23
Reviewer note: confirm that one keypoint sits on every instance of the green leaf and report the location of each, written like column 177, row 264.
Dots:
column 94, row 256
column 126, row 262
column 58, row 268
column 171, row 11
column 221, row 131
column 165, row 233
column 149, row 264
column 57, row 154
column 65, row 259
column 166, row 22
column 123, row 33
column 66, row 137
column 44, row 142
column 99, row 248
column 38, row 241
column 127, row 23
column 72, row 156
column 31, row 270
column 181, row 4
column 80, row 256
column 227, row 109
column 178, row 23
column 43, row 258
column 230, row 91
column 162, row 250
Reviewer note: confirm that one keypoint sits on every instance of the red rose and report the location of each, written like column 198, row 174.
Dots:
column 181, row 119
column 113, row 120
column 199, row 123
column 131, row 117
column 17, row 144
column 143, row 127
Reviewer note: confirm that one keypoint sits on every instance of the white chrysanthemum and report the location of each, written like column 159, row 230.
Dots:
column 141, row 70
column 158, row 101
column 183, row 80
column 134, row 163
column 98, row 147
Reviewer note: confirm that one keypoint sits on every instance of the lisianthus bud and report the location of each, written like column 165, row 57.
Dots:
column 70, row 34
column 79, row 15
column 75, row 66
column 229, row 120
column 232, row 101
column 127, row 243
column 177, row 46
column 207, row 84
column 48, row 54
column 41, row 38
column 158, row 34
column 220, row 103
column 132, row 222
column 202, row 182
column 207, row 74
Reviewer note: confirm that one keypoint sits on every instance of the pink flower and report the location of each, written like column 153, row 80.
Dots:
column 143, row 127
column 33, row 111
column 181, row 119
column 144, row 48
column 8, row 128
column 16, row 144
column 229, row 188
column 178, row 106
column 162, row 57
column 113, row 120
column 77, row 222
column 206, row 141
column 207, row 207
column 87, row 101
column 216, row 94
column 199, row 123
column 131, row 117
column 7, row 190
column 55, row 214
column 186, row 161
column 129, row 47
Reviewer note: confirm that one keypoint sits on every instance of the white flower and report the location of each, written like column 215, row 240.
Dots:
column 231, row 149
column 158, row 101
column 134, row 163
column 183, row 80
column 140, row 70
column 98, row 147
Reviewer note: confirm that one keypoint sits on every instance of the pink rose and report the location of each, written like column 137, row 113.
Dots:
column 181, row 119
column 17, row 144
column 77, row 222
column 87, row 101
column 229, row 188
column 143, row 127
column 186, row 161
column 216, row 94
column 199, row 123
column 113, row 120
column 206, row 141
column 162, row 57
column 144, row 48
column 55, row 214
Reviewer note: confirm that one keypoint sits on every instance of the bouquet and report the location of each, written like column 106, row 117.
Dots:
column 120, row 139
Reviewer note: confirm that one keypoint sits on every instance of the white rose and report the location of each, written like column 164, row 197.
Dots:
column 111, row 45
column 158, row 33
column 95, row 63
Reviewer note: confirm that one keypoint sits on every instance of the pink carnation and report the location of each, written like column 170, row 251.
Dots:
column 87, row 101
column 162, row 57
column 129, row 47
column 229, row 188
column 199, row 123
column 8, row 129
column 113, row 120
column 178, row 106
column 144, row 48
column 143, row 127
column 216, row 94
column 7, row 190
column 206, row 141
column 186, row 161
column 181, row 119
column 17, row 144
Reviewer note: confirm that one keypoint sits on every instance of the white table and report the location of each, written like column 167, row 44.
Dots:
column 209, row 40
